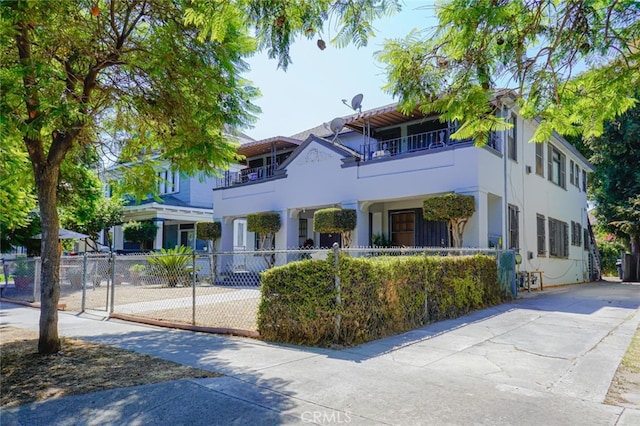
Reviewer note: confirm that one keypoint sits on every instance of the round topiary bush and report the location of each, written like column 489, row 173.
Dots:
column 335, row 220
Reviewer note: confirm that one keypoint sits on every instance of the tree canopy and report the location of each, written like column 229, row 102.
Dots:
column 615, row 184
column 572, row 64
column 146, row 81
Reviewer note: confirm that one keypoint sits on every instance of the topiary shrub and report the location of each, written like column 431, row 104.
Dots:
column 455, row 209
column 265, row 224
column 334, row 220
column 208, row 231
column 140, row 232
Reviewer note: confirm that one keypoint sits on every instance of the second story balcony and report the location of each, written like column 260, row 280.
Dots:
column 244, row 176
column 436, row 139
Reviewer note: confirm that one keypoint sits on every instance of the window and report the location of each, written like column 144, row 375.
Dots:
column 540, row 159
column 571, row 173
column 576, row 234
column 302, row 231
column 239, row 234
column 542, row 240
column 514, row 237
column 402, row 229
column 268, row 242
column 556, row 166
column 168, row 182
column 577, row 181
column 511, row 140
column 584, row 180
column 558, row 238
column 586, row 238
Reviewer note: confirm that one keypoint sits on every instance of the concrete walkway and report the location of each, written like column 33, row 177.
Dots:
column 547, row 358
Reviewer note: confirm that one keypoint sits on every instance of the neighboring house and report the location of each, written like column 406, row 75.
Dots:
column 184, row 200
column 529, row 197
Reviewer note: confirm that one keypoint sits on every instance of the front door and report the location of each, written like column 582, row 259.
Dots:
column 403, row 225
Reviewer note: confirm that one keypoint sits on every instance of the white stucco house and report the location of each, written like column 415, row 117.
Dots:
column 530, row 197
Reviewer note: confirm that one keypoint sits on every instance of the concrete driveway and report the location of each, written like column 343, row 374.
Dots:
column 547, row 358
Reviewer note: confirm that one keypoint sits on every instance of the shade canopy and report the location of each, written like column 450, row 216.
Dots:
column 65, row 234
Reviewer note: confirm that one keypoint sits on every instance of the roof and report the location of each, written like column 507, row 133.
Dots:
column 253, row 148
column 168, row 200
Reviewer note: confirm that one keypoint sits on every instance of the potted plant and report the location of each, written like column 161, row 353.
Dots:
column 23, row 274
column 135, row 271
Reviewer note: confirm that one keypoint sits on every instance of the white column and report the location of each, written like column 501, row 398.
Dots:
column 360, row 236
column 157, row 242
column 118, row 238
column 287, row 236
column 225, row 243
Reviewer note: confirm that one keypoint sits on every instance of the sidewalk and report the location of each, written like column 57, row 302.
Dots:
column 547, row 358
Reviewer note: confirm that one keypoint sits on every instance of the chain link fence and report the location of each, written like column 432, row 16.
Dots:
column 214, row 290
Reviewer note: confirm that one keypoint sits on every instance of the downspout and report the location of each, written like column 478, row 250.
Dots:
column 505, row 221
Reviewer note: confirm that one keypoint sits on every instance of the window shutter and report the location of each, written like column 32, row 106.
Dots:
column 550, row 162
column 565, row 251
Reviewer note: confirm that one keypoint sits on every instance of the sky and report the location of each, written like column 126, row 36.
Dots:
column 310, row 92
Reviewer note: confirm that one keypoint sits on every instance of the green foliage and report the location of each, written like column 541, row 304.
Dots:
column 24, row 268
column 173, row 264
column 379, row 296
column 298, row 303
column 449, row 206
column 379, row 240
column 615, row 184
column 609, row 254
column 277, row 23
column 138, row 267
column 209, row 231
column 263, row 222
column 538, row 47
column 455, row 209
column 139, row 232
column 335, row 220
column 22, row 236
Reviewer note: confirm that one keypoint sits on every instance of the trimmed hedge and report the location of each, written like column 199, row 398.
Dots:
column 334, row 220
column 379, row 296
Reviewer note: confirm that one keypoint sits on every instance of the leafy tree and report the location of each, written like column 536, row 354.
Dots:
column 615, row 184
column 140, row 78
column 334, row 220
column 108, row 212
column 140, row 232
column 455, row 209
column 572, row 64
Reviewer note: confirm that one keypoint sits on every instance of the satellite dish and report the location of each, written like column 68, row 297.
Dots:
column 356, row 102
column 336, row 125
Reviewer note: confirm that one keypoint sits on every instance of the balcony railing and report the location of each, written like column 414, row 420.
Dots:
column 413, row 143
column 248, row 175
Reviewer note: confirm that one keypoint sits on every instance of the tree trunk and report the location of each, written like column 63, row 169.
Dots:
column 49, row 341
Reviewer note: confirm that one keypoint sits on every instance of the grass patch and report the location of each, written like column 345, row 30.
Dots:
column 80, row 367
column 625, row 386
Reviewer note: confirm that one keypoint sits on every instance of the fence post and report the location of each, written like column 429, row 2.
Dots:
column 84, row 280
column 336, row 264
column 193, row 288
column 37, row 285
column 113, row 283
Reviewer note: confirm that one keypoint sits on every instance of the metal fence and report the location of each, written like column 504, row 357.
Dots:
column 215, row 290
